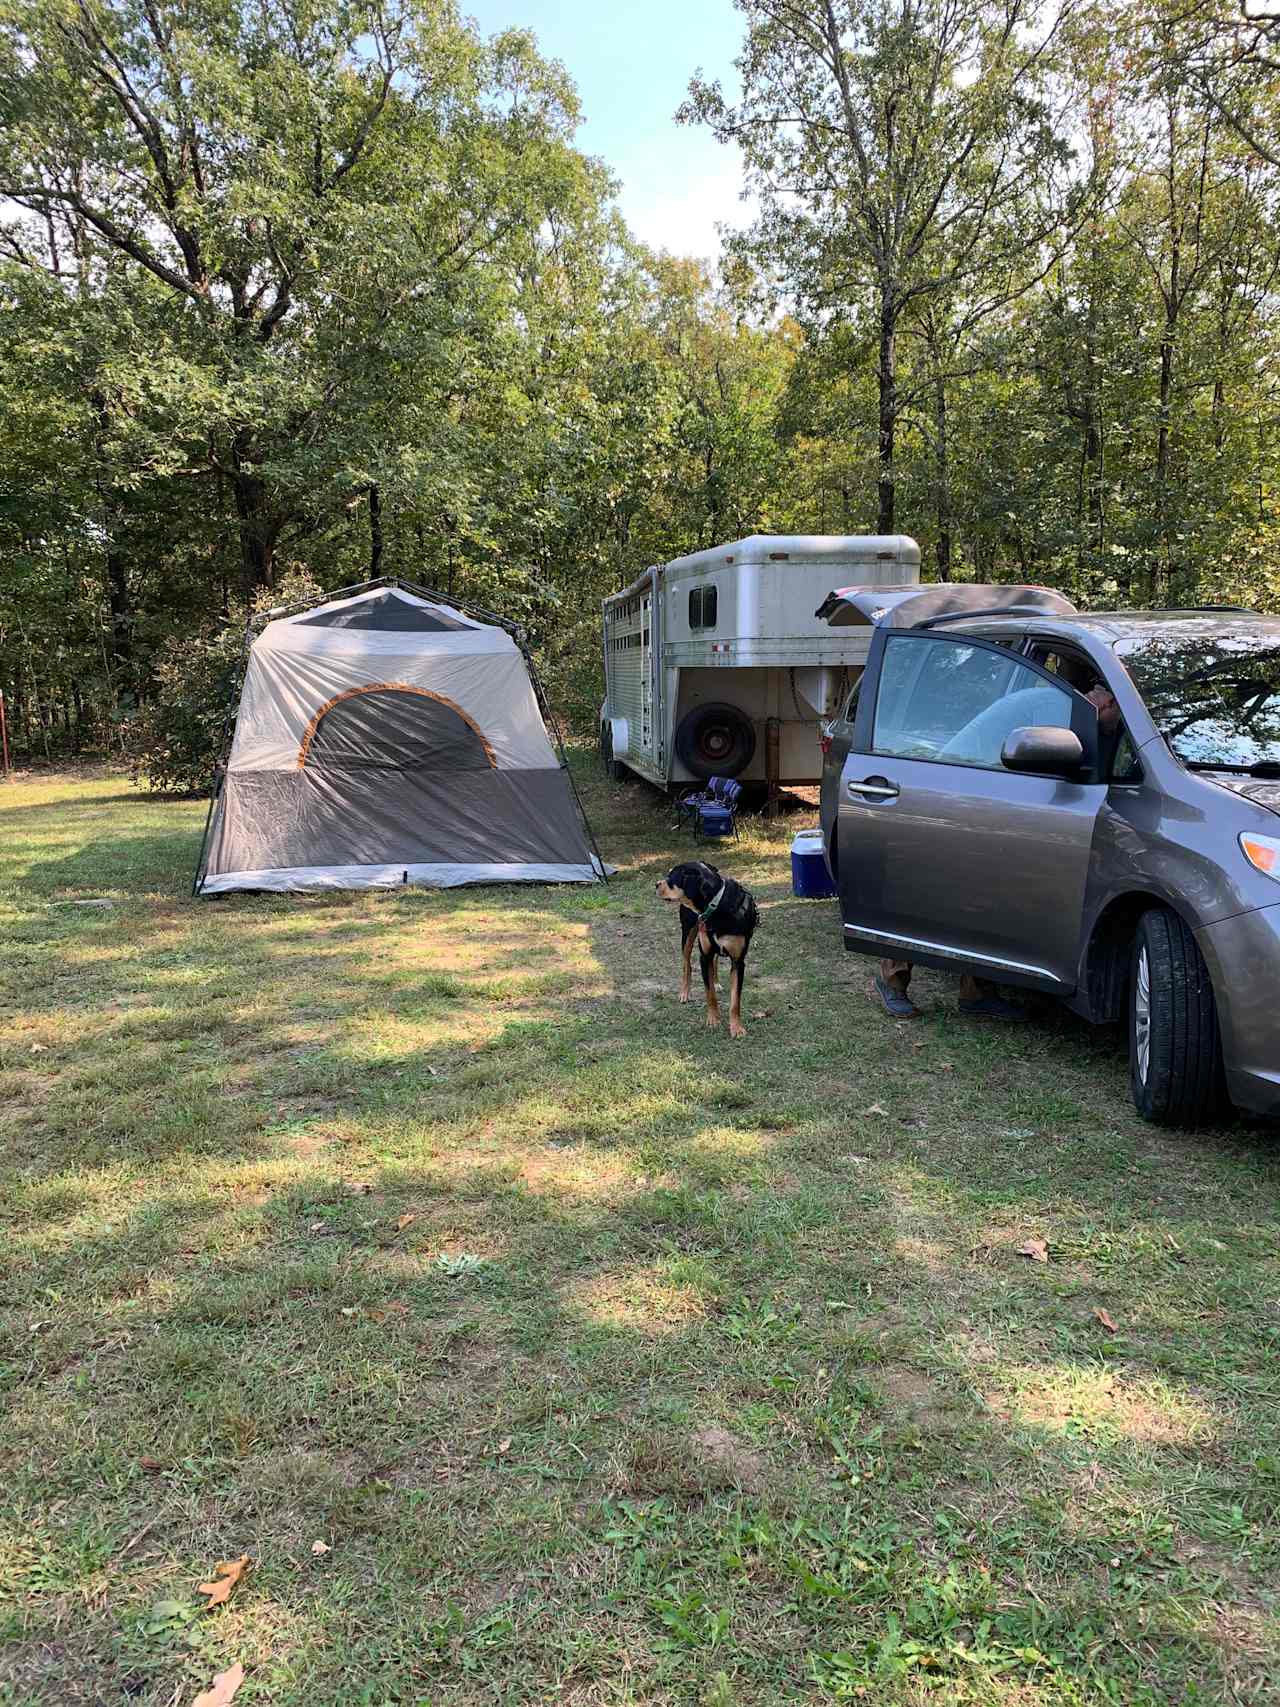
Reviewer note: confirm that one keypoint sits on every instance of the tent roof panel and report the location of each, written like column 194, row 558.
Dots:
column 386, row 611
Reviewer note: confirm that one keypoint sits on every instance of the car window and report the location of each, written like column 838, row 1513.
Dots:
column 1117, row 753
column 940, row 699
column 1075, row 671
column 1213, row 693
column 1125, row 764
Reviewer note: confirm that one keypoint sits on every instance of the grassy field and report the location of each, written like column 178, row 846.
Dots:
column 539, row 1346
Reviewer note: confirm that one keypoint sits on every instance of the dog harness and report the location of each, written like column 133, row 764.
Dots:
column 711, row 905
column 741, row 914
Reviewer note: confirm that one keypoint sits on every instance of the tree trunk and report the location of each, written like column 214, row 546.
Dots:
column 1160, row 570
column 375, row 532
column 942, row 482
column 888, row 376
column 257, row 535
column 1218, row 412
column 115, row 563
column 119, row 608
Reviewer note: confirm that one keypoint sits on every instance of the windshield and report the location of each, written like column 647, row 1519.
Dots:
column 1215, row 698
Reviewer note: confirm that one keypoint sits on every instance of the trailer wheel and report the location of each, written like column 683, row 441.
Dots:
column 715, row 740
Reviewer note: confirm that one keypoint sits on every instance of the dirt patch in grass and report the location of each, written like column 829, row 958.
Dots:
column 725, row 1454
column 910, row 1391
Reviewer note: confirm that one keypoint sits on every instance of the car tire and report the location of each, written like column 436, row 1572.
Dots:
column 715, row 740
column 1175, row 1051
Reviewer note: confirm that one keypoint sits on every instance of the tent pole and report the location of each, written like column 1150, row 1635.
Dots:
column 553, row 722
column 219, row 771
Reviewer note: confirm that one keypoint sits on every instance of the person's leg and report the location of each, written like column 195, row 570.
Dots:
column 891, row 987
column 980, row 999
column 896, row 974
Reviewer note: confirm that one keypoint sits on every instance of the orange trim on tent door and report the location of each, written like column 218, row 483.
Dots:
column 393, row 687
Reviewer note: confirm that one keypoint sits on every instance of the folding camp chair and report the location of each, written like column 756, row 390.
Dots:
column 688, row 804
column 719, row 817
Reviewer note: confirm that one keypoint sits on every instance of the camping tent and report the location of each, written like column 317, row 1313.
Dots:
column 389, row 738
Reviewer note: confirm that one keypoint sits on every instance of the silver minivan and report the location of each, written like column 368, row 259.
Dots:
column 979, row 815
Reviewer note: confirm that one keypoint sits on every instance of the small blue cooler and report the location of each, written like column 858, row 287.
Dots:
column 809, row 875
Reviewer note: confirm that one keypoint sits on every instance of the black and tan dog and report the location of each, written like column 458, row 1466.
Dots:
column 722, row 916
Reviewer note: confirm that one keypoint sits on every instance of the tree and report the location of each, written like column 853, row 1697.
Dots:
column 305, row 202
column 903, row 150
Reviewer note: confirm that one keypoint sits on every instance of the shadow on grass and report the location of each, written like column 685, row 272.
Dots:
column 600, row 1353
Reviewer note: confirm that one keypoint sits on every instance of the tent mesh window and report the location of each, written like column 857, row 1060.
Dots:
column 388, row 726
column 386, row 614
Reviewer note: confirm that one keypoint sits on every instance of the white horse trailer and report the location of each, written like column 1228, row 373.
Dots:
column 716, row 664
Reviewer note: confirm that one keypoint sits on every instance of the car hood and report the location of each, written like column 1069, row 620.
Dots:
column 1263, row 791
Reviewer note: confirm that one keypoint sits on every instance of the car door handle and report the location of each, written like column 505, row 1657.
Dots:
column 875, row 788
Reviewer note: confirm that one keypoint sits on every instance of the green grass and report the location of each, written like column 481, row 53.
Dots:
column 610, row 1360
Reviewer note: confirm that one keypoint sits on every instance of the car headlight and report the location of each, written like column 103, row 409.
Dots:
column 1262, row 852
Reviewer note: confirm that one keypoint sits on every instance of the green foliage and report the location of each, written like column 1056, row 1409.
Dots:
column 370, row 310
column 181, row 733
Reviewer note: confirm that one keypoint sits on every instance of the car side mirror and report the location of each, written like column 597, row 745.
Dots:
column 1052, row 752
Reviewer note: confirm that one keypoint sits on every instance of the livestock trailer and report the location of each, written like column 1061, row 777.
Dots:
column 716, row 664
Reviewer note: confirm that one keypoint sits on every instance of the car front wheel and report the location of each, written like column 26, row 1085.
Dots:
column 1175, row 1053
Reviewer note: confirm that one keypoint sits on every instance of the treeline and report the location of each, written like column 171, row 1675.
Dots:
column 330, row 289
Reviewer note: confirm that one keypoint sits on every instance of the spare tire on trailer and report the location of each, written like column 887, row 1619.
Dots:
column 715, row 740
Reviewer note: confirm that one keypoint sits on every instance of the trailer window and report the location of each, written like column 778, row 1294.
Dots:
column 702, row 607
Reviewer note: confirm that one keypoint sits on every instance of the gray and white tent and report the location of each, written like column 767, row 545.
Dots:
column 388, row 738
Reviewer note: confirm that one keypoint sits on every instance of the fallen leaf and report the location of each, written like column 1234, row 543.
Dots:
column 876, row 1109
column 1036, row 1249
column 316, row 1227
column 946, row 1066
column 227, row 1573
column 350, row 1310
column 504, row 1446
column 1106, row 1321
column 150, row 1466
column 39, row 1049
column 405, row 1221
column 318, row 1547
column 224, row 1687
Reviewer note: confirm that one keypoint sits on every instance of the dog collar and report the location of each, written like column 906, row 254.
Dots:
column 712, row 904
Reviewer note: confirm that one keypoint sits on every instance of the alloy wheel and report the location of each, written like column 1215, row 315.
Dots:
column 1142, row 1017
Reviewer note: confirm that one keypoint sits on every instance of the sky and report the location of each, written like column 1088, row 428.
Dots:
column 631, row 61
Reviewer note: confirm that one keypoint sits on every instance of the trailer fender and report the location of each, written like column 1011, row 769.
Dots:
column 620, row 735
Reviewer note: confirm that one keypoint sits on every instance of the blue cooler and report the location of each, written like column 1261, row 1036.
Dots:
column 809, row 875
